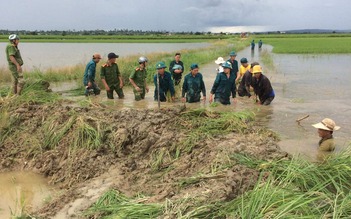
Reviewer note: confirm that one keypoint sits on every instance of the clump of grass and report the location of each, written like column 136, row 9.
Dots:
column 54, row 131
column 88, row 133
column 158, row 157
column 34, row 91
column 205, row 124
column 113, row 204
column 8, row 124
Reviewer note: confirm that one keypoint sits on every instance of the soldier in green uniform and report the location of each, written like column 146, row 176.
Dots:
column 15, row 63
column 138, row 79
column 193, row 86
column 111, row 77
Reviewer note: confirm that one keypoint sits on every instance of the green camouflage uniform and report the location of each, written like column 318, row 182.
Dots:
column 12, row 50
column 111, row 74
column 139, row 78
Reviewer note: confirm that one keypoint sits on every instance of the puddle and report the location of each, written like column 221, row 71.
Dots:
column 22, row 191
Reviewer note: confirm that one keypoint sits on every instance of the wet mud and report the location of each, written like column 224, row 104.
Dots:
column 127, row 156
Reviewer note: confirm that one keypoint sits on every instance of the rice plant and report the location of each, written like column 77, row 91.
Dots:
column 54, row 131
column 204, row 124
column 87, row 134
column 158, row 158
column 113, row 204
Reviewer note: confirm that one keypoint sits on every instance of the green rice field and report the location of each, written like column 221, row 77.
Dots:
column 307, row 43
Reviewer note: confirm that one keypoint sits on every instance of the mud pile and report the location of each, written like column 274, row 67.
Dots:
column 89, row 150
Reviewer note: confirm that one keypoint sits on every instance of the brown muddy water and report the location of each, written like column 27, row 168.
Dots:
column 20, row 191
column 52, row 55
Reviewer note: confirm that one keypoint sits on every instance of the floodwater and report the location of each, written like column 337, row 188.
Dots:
column 316, row 86
column 313, row 85
column 22, row 191
column 47, row 55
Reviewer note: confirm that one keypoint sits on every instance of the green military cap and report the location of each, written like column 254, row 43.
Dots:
column 160, row 65
column 227, row 64
column 232, row 53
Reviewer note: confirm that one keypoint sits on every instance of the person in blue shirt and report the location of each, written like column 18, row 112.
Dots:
column 224, row 86
column 260, row 44
column 252, row 44
column 164, row 83
column 89, row 76
column 193, row 86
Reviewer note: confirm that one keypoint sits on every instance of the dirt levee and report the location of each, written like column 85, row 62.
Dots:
column 162, row 154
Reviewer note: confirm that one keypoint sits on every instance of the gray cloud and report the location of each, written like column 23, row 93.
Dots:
column 180, row 15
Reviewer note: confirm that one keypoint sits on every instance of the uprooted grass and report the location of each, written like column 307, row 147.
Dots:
column 205, row 124
column 113, row 204
column 287, row 188
column 34, row 91
column 290, row 189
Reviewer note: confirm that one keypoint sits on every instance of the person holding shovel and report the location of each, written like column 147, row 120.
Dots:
column 163, row 84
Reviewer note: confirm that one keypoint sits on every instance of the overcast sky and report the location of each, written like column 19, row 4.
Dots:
column 176, row 15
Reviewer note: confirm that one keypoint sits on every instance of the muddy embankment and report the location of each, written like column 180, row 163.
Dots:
column 162, row 154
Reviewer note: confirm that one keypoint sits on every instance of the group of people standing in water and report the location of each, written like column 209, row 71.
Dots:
column 169, row 86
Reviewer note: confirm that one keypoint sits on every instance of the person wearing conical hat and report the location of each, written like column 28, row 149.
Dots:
column 325, row 130
column 219, row 61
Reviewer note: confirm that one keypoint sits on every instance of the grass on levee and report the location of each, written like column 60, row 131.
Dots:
column 287, row 188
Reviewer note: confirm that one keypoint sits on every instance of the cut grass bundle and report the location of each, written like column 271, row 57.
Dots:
column 113, row 204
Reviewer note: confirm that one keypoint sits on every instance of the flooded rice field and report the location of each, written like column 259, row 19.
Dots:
column 47, row 55
column 313, row 85
column 316, row 86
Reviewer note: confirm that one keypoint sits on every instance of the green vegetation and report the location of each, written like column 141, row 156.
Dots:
column 308, row 43
column 287, row 188
column 113, row 204
column 128, row 64
column 150, row 38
